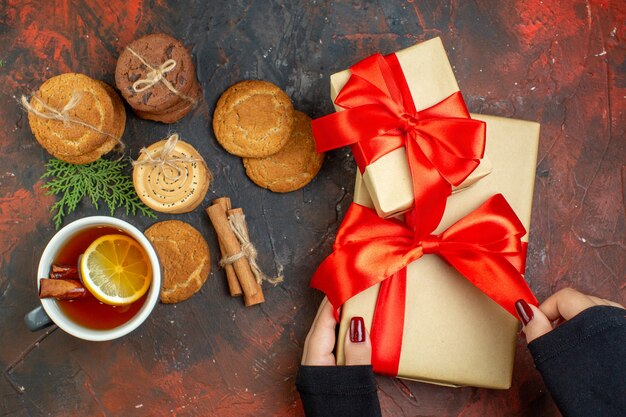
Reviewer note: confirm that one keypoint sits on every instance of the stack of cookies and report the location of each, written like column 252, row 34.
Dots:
column 156, row 76
column 256, row 120
column 76, row 118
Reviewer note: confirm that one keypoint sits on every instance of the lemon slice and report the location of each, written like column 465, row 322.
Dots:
column 116, row 269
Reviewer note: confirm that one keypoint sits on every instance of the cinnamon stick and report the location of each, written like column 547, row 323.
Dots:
column 231, row 277
column 258, row 297
column 63, row 271
column 61, row 289
column 232, row 247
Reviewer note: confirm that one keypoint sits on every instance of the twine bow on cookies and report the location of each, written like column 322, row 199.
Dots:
column 156, row 75
column 238, row 226
column 165, row 158
column 63, row 115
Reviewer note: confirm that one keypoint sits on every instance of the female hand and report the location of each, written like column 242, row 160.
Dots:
column 320, row 342
column 559, row 307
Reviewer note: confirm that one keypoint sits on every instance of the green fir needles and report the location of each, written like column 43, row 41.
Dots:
column 102, row 180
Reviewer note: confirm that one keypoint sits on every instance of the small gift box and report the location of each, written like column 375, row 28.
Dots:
column 404, row 121
column 451, row 332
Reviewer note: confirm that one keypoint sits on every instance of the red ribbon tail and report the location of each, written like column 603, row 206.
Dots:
column 430, row 192
column 388, row 324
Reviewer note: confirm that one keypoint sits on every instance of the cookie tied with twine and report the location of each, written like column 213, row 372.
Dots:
column 75, row 118
column 170, row 176
column 156, row 76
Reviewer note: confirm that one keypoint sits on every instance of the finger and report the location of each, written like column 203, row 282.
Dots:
column 535, row 323
column 357, row 345
column 325, row 319
column 604, row 301
column 321, row 320
column 319, row 311
column 305, row 350
column 307, row 341
column 565, row 303
column 599, row 301
column 320, row 341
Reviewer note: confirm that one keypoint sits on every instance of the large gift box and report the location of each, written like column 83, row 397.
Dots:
column 433, row 90
column 453, row 334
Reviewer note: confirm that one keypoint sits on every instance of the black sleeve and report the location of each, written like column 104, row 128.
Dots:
column 583, row 363
column 338, row 391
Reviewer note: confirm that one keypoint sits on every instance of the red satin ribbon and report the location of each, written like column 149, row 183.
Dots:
column 443, row 144
column 388, row 324
column 485, row 247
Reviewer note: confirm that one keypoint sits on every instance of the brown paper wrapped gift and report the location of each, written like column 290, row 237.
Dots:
column 430, row 79
column 453, row 333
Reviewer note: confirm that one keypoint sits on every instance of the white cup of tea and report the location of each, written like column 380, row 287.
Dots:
column 52, row 312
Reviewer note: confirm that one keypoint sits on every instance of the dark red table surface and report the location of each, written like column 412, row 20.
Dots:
column 561, row 63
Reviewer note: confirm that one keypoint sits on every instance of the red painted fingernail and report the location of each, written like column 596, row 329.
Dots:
column 524, row 311
column 357, row 330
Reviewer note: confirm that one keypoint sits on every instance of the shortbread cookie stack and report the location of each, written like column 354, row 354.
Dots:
column 76, row 118
column 256, row 120
column 156, row 76
column 170, row 176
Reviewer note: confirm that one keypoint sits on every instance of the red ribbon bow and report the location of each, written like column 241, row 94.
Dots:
column 443, row 144
column 485, row 247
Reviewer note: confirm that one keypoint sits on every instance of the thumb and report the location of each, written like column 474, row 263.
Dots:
column 357, row 346
column 535, row 323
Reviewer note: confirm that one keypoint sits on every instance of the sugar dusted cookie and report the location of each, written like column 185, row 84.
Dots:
column 291, row 168
column 253, row 119
column 184, row 256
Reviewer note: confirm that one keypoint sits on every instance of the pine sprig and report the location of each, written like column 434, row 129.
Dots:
column 102, row 180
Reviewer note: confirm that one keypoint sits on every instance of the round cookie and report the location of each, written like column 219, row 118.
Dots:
column 177, row 187
column 184, row 256
column 96, row 106
column 155, row 50
column 291, row 168
column 253, row 119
